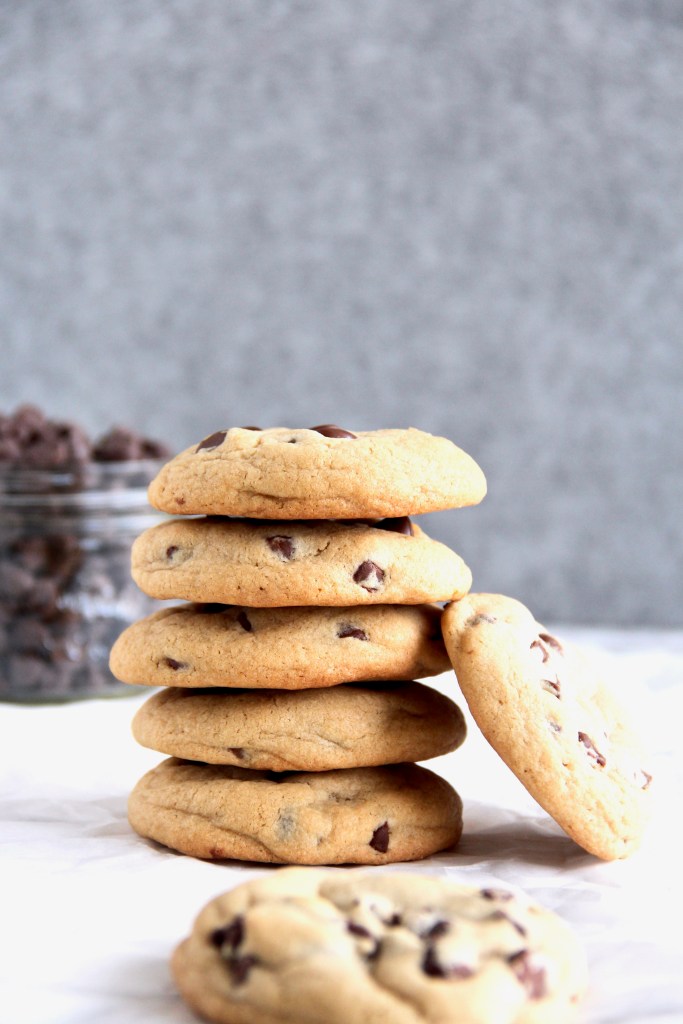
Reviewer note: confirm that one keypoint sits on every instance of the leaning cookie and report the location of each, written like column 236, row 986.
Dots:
column 335, row 948
column 349, row 726
column 284, row 564
column 280, row 648
column 318, row 473
column 351, row 816
column 546, row 710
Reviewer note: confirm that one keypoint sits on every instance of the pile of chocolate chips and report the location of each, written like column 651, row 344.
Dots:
column 63, row 591
column 29, row 438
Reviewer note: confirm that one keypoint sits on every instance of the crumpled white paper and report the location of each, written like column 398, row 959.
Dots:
column 91, row 912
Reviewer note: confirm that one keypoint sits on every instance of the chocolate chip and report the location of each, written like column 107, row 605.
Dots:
column 230, row 935
column 476, row 620
column 251, row 428
column 240, row 968
column 555, row 726
column 330, row 430
column 529, row 973
column 541, row 647
column 244, row 622
column 170, row 551
column 394, row 921
column 437, row 930
column 552, row 686
column 551, row 642
column 358, row 929
column 593, row 751
column 500, row 915
column 369, row 576
column 172, row 663
column 346, row 629
column 211, row 442
column 282, row 546
column 380, row 838
column 400, row 524
column 238, row 752
column 435, row 969
column 496, row 894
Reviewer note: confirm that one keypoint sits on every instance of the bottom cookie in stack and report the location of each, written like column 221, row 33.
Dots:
column 354, row 795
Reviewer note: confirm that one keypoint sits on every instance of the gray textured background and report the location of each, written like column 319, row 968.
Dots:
column 461, row 216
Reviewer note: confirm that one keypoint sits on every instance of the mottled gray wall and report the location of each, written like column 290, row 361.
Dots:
column 461, row 216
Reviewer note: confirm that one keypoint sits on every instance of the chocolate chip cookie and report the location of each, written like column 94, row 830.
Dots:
column 280, row 648
column 348, row 726
column 350, row 816
column 545, row 708
column 320, row 472
column 284, row 564
column 337, row 948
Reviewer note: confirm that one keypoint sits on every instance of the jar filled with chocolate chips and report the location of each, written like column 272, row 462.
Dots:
column 70, row 508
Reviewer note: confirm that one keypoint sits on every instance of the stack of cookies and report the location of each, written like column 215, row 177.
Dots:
column 289, row 709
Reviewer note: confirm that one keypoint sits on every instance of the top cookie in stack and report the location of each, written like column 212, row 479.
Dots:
column 323, row 472
column 295, row 533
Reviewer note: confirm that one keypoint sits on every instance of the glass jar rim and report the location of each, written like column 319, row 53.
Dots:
column 69, row 474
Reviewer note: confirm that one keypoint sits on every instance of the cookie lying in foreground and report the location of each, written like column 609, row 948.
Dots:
column 284, row 564
column 347, row 726
column 322, row 947
column 322, row 472
column 280, row 648
column 546, row 710
column 349, row 816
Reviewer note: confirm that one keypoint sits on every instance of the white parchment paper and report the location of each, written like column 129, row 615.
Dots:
column 91, row 912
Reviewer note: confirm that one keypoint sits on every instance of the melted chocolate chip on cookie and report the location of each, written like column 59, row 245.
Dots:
column 231, row 935
column 244, row 622
column 476, row 620
column 331, row 430
column 283, row 547
column 173, row 664
column 369, row 576
column 552, row 686
column 438, row 929
column 593, row 752
column 500, row 915
column 529, row 973
column 346, row 629
column 398, row 524
column 240, row 968
column 380, row 838
column 551, row 642
column 211, row 442
column 432, row 967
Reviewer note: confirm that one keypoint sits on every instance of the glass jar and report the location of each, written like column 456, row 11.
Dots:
column 66, row 591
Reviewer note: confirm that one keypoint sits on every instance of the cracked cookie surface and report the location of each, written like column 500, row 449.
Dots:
column 307, row 946
column 280, row 648
column 350, row 816
column 318, row 473
column 283, row 564
column 347, row 726
column 546, row 709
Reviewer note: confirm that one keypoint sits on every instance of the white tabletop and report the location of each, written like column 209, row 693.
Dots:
column 91, row 912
